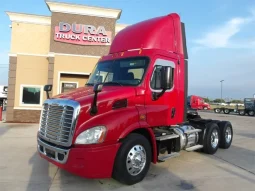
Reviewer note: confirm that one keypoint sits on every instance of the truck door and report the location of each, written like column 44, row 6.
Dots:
column 162, row 111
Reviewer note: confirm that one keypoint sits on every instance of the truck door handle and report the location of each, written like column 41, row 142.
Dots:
column 173, row 112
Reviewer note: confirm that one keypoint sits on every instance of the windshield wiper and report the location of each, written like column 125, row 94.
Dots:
column 113, row 83
column 89, row 84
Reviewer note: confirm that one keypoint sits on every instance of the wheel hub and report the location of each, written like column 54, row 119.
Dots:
column 228, row 135
column 136, row 160
column 214, row 138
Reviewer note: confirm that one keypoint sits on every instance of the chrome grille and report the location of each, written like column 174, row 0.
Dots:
column 58, row 120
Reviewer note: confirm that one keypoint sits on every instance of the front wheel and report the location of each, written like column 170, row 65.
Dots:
column 133, row 159
column 251, row 113
column 241, row 112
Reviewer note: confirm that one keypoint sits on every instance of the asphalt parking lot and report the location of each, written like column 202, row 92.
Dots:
column 234, row 169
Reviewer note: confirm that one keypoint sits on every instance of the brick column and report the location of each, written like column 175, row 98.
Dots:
column 51, row 60
column 11, row 88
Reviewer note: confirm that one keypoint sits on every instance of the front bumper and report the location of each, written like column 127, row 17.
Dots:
column 92, row 162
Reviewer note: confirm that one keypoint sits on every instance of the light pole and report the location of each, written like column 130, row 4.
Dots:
column 221, row 89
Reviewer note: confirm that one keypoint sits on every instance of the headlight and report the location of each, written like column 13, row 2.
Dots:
column 91, row 136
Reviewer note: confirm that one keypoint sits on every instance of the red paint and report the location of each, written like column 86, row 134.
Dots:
column 96, row 162
column 82, row 39
column 155, row 38
column 197, row 102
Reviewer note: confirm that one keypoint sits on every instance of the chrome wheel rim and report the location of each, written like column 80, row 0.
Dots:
column 228, row 135
column 136, row 160
column 214, row 138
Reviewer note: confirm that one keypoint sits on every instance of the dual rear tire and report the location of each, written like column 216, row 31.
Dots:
column 217, row 135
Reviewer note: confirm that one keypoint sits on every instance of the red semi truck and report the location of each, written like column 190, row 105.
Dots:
column 197, row 102
column 132, row 112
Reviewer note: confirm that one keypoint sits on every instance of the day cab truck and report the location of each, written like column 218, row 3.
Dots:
column 133, row 110
column 197, row 102
column 249, row 108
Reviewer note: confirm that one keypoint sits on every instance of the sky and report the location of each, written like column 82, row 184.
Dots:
column 220, row 38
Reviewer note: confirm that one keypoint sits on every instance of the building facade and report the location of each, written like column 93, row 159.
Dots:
column 61, row 49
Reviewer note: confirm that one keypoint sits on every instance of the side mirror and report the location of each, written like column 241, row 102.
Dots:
column 166, row 74
column 47, row 89
column 98, row 88
column 5, row 89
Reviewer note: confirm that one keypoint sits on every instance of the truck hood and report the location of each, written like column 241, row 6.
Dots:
column 85, row 95
column 105, row 100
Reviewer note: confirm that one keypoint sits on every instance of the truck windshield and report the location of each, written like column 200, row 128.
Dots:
column 129, row 71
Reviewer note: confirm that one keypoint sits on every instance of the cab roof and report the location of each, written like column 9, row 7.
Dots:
column 164, row 33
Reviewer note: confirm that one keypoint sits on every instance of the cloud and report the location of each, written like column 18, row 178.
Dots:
column 220, row 36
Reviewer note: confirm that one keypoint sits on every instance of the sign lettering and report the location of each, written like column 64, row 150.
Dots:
column 82, row 34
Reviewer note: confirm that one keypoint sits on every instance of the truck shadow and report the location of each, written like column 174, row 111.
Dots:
column 41, row 174
column 248, row 135
column 243, row 161
column 45, row 176
column 3, row 129
column 158, row 178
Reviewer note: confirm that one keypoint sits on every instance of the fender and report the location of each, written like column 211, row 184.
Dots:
column 143, row 125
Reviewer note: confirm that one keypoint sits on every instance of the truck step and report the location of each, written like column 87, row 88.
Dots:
column 165, row 157
column 194, row 148
column 192, row 131
column 167, row 137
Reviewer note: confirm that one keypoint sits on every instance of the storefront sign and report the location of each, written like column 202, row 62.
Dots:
column 82, row 34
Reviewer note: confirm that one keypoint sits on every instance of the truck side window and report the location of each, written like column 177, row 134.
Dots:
column 155, row 80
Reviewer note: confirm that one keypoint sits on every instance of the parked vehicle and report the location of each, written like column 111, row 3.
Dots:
column 197, row 102
column 3, row 96
column 136, row 115
column 249, row 108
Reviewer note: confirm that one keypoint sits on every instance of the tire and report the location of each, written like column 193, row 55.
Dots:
column 241, row 112
column 251, row 113
column 205, row 108
column 130, row 144
column 211, row 139
column 226, row 111
column 217, row 110
column 226, row 134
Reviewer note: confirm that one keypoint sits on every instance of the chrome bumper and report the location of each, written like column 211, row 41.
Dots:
column 56, row 154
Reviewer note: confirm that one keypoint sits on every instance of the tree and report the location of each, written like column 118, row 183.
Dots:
column 219, row 100
column 207, row 100
column 237, row 101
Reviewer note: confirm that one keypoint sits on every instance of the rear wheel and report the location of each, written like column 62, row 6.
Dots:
column 133, row 160
column 211, row 140
column 226, row 134
column 217, row 110
column 226, row 111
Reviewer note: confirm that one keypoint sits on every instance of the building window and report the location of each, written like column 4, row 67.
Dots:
column 31, row 95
